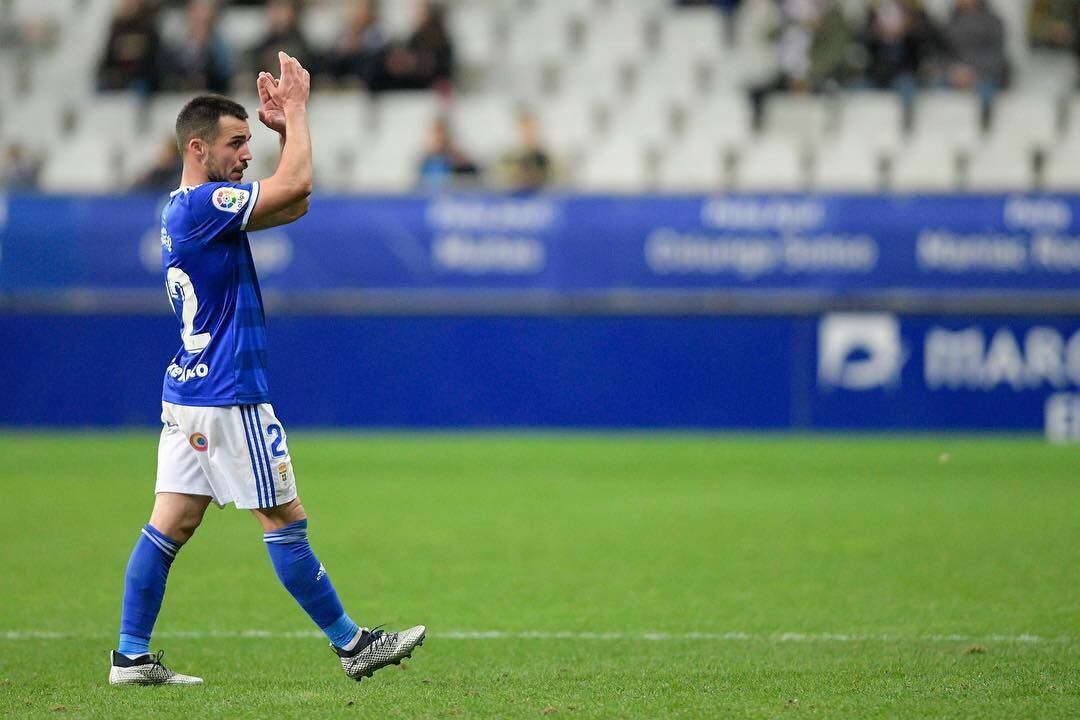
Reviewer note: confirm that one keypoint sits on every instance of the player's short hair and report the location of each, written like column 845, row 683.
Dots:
column 199, row 118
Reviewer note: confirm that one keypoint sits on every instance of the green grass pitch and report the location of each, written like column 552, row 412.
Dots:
column 633, row 576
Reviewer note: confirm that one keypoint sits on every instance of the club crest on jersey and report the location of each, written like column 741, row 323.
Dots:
column 231, row 200
column 199, row 442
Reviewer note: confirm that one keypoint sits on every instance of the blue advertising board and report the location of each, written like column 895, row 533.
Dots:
column 865, row 371
column 566, row 244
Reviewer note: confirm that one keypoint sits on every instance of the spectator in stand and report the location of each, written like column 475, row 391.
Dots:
column 164, row 174
column 529, row 166
column 444, row 164
column 19, row 170
column 899, row 38
column 282, row 33
column 359, row 47
column 1054, row 24
column 202, row 60
column 132, row 53
column 425, row 60
column 816, row 46
column 975, row 40
column 816, row 50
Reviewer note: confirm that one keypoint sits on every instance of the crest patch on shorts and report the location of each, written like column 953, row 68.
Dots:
column 229, row 199
column 199, row 442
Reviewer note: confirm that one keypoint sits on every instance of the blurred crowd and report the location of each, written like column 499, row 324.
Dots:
column 818, row 49
column 138, row 57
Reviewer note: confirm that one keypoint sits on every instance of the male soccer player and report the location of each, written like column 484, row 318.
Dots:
column 221, row 440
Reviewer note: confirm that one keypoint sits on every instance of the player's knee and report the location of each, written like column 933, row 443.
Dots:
column 278, row 517
column 178, row 526
column 188, row 525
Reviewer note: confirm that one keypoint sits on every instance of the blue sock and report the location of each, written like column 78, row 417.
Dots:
column 302, row 575
column 144, row 587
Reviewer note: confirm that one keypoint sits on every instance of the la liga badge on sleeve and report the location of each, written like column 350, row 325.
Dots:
column 229, row 199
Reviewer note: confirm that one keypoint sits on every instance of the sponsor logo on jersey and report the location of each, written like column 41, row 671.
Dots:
column 180, row 374
column 199, row 442
column 229, row 199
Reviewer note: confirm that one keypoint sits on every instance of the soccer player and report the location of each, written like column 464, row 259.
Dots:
column 221, row 440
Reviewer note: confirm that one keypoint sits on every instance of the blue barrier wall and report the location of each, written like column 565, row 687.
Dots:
column 559, row 311
column 852, row 371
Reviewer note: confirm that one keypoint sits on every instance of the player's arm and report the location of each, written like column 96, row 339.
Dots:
column 299, row 208
column 283, row 196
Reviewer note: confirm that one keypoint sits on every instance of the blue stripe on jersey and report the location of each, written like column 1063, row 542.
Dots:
column 266, row 456
column 249, row 317
column 253, row 359
column 251, row 454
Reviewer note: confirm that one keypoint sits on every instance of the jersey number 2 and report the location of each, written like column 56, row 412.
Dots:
column 178, row 285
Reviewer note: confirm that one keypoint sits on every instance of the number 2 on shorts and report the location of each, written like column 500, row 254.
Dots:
column 278, row 435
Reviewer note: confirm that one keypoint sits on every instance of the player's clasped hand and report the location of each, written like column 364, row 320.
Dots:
column 292, row 88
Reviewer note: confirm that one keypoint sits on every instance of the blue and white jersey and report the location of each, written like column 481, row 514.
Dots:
column 210, row 278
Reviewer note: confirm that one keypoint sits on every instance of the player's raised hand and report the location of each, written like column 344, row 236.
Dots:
column 271, row 113
column 294, row 85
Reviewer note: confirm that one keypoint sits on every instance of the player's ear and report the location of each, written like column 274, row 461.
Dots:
column 198, row 147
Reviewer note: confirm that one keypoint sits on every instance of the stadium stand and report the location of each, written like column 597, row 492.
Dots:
column 631, row 96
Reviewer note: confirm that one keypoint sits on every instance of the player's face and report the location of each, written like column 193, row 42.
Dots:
column 229, row 154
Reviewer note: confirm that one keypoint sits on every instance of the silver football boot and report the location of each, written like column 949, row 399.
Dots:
column 377, row 649
column 146, row 670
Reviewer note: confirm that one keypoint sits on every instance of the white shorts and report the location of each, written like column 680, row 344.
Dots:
column 234, row 454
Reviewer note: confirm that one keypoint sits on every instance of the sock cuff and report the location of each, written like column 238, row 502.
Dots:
column 163, row 542
column 293, row 533
column 133, row 645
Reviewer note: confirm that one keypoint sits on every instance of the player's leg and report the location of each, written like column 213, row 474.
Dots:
column 183, row 494
column 172, row 523
column 361, row 651
column 285, row 534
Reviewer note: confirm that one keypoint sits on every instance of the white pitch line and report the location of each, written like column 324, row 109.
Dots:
column 786, row 637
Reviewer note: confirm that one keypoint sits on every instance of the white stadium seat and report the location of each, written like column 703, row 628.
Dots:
column 1001, row 166
column 616, row 36
column 387, row 166
column 321, row 24
column 614, row 167
column 242, row 27
column 82, row 164
column 924, row 166
column 113, row 114
column 1061, row 173
column 645, row 121
column 1029, row 119
column 847, row 165
column 949, row 116
column 807, row 118
column 473, row 28
column 567, row 124
column 406, row 114
column 698, row 33
column 875, row 119
column 721, row 120
column 687, row 167
column 669, row 76
column 773, row 164
column 485, row 125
